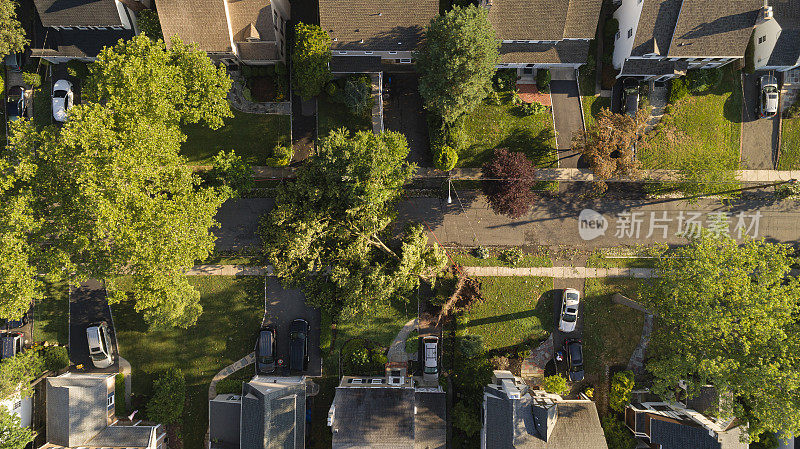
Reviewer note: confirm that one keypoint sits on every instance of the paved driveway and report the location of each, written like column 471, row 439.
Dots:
column 89, row 304
column 239, row 219
column 403, row 112
column 568, row 119
column 759, row 136
column 559, row 285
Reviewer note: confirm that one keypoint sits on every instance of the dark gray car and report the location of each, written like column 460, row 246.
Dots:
column 630, row 93
column 298, row 345
column 265, row 351
column 574, row 350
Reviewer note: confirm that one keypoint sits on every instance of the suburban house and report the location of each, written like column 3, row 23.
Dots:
column 22, row 407
column 270, row 412
column 661, row 39
column 677, row 425
column 80, row 414
column 542, row 34
column 79, row 29
column 516, row 416
column 390, row 411
column 248, row 31
column 777, row 36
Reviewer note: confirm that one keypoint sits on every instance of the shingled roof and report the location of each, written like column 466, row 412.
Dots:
column 202, row 22
column 77, row 43
column 656, row 24
column 787, row 48
column 378, row 25
column 373, row 418
column 564, row 52
column 673, row 434
column 544, row 19
column 78, row 12
column 718, row 31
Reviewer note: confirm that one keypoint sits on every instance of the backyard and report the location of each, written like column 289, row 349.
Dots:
column 232, row 312
column 492, row 126
column 332, row 115
column 251, row 136
column 790, row 144
column 51, row 315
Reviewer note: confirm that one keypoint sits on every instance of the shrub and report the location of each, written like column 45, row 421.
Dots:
column 617, row 436
column 533, row 108
column 494, row 98
column 699, row 80
column 446, row 158
column 32, row 79
column 610, row 29
column 469, row 346
column 749, row 57
column 505, row 79
column 465, row 418
column 765, row 440
column 543, row 80
column 511, row 180
column 620, row 394
column 230, row 385
column 455, row 135
column 481, row 253
column 281, row 156
column 516, row 100
column 793, row 111
column 678, row 90
column 555, row 384
column 511, row 256
column 357, row 94
column 230, row 170
column 332, row 90
column 148, row 22
column 77, row 69
column 55, row 357
column 169, row 394
column 120, row 409
column 247, row 94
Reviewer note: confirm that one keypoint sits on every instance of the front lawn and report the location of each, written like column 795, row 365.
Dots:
column 51, row 315
column 467, row 258
column 251, row 136
column 232, row 312
column 505, row 126
column 332, row 115
column 699, row 132
column 790, row 145
column 592, row 105
column 515, row 310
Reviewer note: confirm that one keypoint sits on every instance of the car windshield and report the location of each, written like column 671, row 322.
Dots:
column 572, row 296
column 431, row 370
column 98, row 356
column 770, row 89
column 295, row 335
column 265, row 359
column 569, row 318
column 60, row 94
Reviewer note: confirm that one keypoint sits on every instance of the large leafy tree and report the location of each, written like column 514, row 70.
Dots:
column 510, row 180
column 17, row 373
column 727, row 316
column 12, row 434
column 328, row 231
column 12, row 36
column 310, row 58
column 457, row 60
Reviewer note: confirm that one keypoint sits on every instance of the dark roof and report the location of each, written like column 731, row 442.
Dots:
column 654, row 67
column 78, row 43
column 273, row 414
column 704, row 401
column 430, row 421
column 373, row 417
column 202, row 22
column 223, row 422
column 355, row 64
column 564, row 52
column 656, row 24
column 670, row 434
column 545, row 19
column 787, row 48
column 382, row 25
column 76, row 408
column 721, row 30
column 78, row 12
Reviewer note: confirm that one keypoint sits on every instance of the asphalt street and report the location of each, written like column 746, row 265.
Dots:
column 89, row 304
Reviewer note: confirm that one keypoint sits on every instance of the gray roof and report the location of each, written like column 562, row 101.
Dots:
column 223, row 422
column 563, row 52
column 356, row 64
column 656, row 24
column 78, row 12
column 76, row 408
column 721, row 30
column 787, row 50
column 672, row 434
column 380, row 418
column 379, row 25
column 430, row 421
column 124, row 436
column 545, row 19
column 78, row 43
column 273, row 413
column 654, row 67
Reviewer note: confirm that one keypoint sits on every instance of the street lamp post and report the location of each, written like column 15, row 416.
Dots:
column 449, row 197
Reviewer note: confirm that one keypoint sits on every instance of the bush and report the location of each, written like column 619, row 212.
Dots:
column 32, row 79
column 120, row 409
column 230, row 170
column 610, row 29
column 466, row 418
column 281, row 156
column 766, row 440
column 469, row 346
column 446, row 158
column 332, row 90
column 511, row 256
column 620, row 394
column 617, row 435
column 750, row 56
column 543, row 80
column 678, row 90
column 555, row 384
column 55, row 358
column 505, row 80
column 148, row 22
column 77, row 69
column 166, row 405
column 533, row 108
column 699, row 80
column 494, row 98
column 481, row 253
column 793, row 111
column 357, row 94
column 230, row 385
column 247, row 94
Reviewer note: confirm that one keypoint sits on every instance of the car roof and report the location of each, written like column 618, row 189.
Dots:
column 62, row 84
column 265, row 336
column 93, row 335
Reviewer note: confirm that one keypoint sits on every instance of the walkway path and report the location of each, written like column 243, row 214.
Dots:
column 227, row 371
column 636, row 362
column 397, row 351
column 534, row 364
column 377, row 106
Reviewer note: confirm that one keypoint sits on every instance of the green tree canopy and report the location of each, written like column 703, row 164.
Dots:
column 326, row 231
column 457, row 60
column 310, row 57
column 12, row 36
column 727, row 316
column 17, row 373
column 12, row 434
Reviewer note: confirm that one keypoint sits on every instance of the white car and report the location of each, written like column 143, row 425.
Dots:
column 99, row 345
column 430, row 372
column 62, row 99
column 768, row 101
column 570, row 302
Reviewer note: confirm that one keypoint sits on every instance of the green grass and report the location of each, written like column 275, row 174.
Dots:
column 51, row 315
column 251, row 136
column 232, row 313
column 42, row 105
column 332, row 115
column 599, row 260
column 790, row 145
column 490, row 126
column 467, row 259
column 515, row 310
column 611, row 331
column 699, row 131
column 592, row 106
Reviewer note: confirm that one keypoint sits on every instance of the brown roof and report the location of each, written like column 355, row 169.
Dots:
column 721, row 30
column 78, row 13
column 248, row 14
column 197, row 21
column 564, row 52
column 382, row 25
column 257, row 51
column 545, row 19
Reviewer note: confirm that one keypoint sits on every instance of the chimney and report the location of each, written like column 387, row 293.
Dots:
column 766, row 12
column 545, row 415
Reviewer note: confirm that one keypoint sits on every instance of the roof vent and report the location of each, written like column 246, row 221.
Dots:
column 361, row 41
column 335, row 39
column 399, row 43
column 380, row 14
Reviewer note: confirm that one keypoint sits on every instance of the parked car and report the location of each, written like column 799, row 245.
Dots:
column 298, row 345
column 430, row 347
column 11, row 344
column 99, row 344
column 265, row 351
column 630, row 96
column 570, row 301
column 768, row 105
column 15, row 103
column 574, row 351
column 62, row 99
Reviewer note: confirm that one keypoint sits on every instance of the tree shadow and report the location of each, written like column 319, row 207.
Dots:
column 535, row 146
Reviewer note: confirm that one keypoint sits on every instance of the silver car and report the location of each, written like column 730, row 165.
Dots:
column 570, row 302
column 99, row 345
column 430, row 372
column 62, row 99
column 769, row 96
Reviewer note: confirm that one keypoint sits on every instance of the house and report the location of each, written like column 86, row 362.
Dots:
column 543, row 34
column 79, row 29
column 387, row 412
column 678, row 425
column 22, row 407
column 777, row 36
column 516, row 416
column 373, row 36
column 248, row 31
column 80, row 414
column 661, row 39
column 270, row 412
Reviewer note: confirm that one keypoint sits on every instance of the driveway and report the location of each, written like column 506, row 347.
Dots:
column 568, row 119
column 89, row 304
column 559, row 286
column 759, row 136
column 281, row 307
column 239, row 220
column 403, row 112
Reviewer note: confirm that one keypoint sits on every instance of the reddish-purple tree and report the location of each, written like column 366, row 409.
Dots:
column 510, row 179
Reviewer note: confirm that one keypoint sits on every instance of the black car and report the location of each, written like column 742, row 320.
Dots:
column 298, row 345
column 630, row 93
column 15, row 103
column 265, row 351
column 573, row 348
